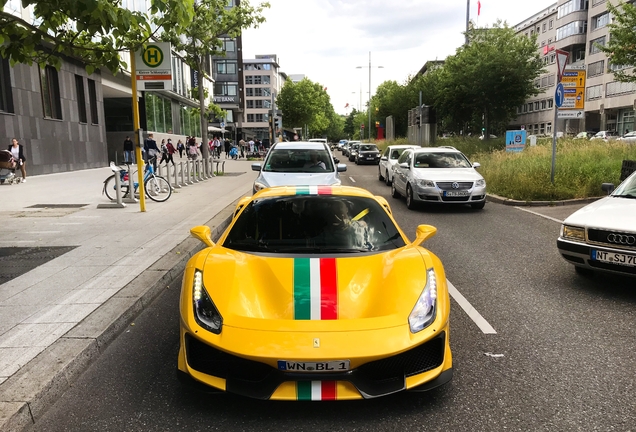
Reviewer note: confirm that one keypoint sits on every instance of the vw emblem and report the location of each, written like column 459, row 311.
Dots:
column 455, row 185
column 622, row 239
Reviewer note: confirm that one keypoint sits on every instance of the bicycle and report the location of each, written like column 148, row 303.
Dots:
column 157, row 188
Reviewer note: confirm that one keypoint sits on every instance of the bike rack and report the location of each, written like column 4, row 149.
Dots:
column 119, row 203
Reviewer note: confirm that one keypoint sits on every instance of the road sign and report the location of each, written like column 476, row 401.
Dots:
column 558, row 95
column 574, row 90
column 222, row 125
column 562, row 60
column 571, row 114
column 154, row 67
column 361, row 126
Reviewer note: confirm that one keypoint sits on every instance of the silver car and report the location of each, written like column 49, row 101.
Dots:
column 298, row 164
column 389, row 157
column 438, row 175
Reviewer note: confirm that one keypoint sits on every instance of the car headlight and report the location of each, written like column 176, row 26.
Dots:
column 423, row 313
column 205, row 313
column 258, row 186
column 480, row 183
column 572, row 232
column 425, row 183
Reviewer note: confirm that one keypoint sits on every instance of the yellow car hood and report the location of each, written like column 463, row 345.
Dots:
column 341, row 293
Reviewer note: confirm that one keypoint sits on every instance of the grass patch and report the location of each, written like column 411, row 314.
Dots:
column 581, row 166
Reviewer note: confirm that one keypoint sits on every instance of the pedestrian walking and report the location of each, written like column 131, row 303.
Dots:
column 152, row 151
column 217, row 147
column 17, row 150
column 193, row 151
column 164, row 152
column 170, row 150
column 242, row 147
column 128, row 150
column 181, row 148
column 227, row 147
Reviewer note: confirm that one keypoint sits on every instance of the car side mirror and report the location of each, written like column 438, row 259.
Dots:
column 203, row 233
column 476, row 165
column 422, row 233
column 384, row 158
column 342, row 167
column 256, row 167
column 404, row 165
column 607, row 187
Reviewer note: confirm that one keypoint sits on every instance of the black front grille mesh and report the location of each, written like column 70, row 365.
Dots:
column 449, row 185
column 600, row 236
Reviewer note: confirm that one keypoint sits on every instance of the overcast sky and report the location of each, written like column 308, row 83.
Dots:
column 327, row 39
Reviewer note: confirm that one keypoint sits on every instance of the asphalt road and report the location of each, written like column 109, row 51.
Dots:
column 562, row 358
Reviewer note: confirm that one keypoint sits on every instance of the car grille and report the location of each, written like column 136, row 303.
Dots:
column 456, row 199
column 449, row 185
column 602, row 237
column 255, row 379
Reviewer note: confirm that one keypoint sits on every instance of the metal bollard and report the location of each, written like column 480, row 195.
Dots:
column 130, row 198
column 176, row 179
column 194, row 172
column 183, row 182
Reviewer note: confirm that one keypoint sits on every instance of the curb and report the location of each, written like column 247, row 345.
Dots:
column 511, row 202
column 26, row 395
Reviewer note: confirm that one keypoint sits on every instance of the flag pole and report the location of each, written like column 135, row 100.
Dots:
column 467, row 19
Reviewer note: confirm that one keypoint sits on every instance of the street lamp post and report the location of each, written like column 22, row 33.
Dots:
column 369, row 104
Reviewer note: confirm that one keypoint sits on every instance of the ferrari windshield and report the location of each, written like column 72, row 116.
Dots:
column 299, row 160
column 314, row 224
column 441, row 160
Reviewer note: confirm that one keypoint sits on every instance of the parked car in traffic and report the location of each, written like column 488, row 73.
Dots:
column 367, row 154
column 353, row 151
column 346, row 149
column 297, row 163
column 605, row 135
column 437, row 175
column 584, row 135
column 340, row 144
column 602, row 236
column 629, row 137
column 389, row 157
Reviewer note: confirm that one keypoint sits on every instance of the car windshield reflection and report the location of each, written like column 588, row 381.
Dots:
column 441, row 160
column 313, row 225
column 627, row 189
column 298, row 160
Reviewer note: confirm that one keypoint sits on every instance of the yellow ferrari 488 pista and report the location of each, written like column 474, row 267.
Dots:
column 314, row 293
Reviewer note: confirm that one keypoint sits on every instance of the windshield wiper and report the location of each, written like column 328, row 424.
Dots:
column 632, row 196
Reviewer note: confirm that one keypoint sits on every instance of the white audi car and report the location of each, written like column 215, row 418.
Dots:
column 437, row 175
column 602, row 235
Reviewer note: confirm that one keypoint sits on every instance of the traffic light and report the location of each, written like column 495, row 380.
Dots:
column 417, row 119
column 377, row 124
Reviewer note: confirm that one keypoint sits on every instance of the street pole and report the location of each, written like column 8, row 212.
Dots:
column 467, row 19
column 369, row 103
column 554, row 141
column 419, row 127
column 136, row 127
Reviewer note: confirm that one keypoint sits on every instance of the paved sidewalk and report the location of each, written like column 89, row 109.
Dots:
column 55, row 317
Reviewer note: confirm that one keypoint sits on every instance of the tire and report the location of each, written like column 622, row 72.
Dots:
column 158, row 188
column 410, row 201
column 394, row 192
column 109, row 188
column 478, row 206
column 387, row 180
column 357, row 161
column 380, row 174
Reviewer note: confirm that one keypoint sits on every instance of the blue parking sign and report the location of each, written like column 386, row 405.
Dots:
column 515, row 140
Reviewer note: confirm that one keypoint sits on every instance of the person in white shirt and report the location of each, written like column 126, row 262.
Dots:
column 314, row 162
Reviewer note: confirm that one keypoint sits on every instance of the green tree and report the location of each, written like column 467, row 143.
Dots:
column 486, row 80
column 306, row 103
column 621, row 48
column 201, row 38
column 93, row 31
column 348, row 128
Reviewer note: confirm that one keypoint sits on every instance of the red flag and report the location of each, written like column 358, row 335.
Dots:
column 347, row 105
column 478, row 7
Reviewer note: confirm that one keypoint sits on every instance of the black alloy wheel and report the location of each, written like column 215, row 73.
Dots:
column 380, row 177
column 394, row 192
column 410, row 201
column 387, row 180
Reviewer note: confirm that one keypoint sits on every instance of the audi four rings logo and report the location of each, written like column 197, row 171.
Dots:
column 622, row 239
column 455, row 185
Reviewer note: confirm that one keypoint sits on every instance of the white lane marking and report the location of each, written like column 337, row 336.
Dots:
column 539, row 214
column 67, row 223
column 43, row 232
column 351, row 178
column 470, row 310
column 18, row 241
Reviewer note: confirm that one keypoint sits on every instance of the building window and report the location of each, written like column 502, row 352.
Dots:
column 229, row 45
column 81, row 98
column 596, row 68
column 552, row 58
column 530, row 106
column 92, row 97
column 544, row 104
column 542, row 129
column 226, row 67
column 551, row 24
column 551, row 80
column 550, row 103
column 249, row 104
column 595, row 43
column 50, row 93
column 600, row 21
column 249, row 92
column 525, row 108
column 548, row 128
column 594, row 92
column 570, row 7
column 158, row 113
column 256, row 118
column 536, row 106
column 190, row 121
column 6, row 96
column 616, row 88
column 544, row 81
column 225, row 89
column 544, row 27
column 573, row 28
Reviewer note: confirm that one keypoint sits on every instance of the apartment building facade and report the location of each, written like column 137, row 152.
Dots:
column 69, row 120
column 577, row 27
column 262, row 82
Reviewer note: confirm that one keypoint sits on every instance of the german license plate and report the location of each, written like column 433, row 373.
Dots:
column 328, row 366
column 456, row 193
column 614, row 258
column 370, row 158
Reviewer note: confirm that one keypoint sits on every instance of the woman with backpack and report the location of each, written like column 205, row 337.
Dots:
column 193, row 150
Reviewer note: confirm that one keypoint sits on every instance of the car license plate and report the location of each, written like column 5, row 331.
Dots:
column 370, row 158
column 456, row 193
column 614, row 258
column 328, row 366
